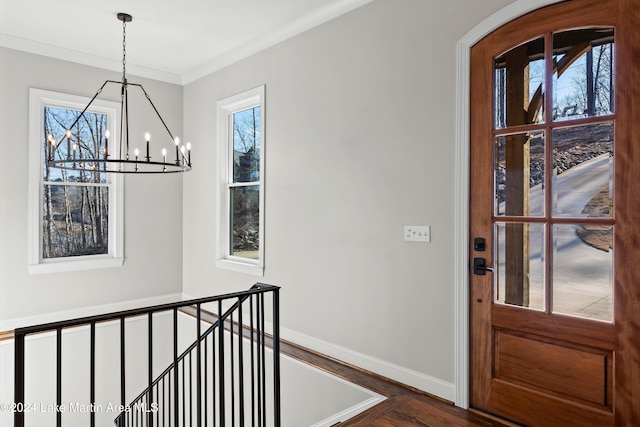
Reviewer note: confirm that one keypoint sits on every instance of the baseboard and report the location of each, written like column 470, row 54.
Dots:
column 11, row 324
column 426, row 383
column 349, row 413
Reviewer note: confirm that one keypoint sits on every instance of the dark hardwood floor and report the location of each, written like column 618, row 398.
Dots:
column 404, row 405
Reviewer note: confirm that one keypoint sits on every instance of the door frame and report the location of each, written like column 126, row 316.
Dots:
column 462, row 185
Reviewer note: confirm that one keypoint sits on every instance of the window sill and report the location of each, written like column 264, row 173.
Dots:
column 74, row 265
column 241, row 267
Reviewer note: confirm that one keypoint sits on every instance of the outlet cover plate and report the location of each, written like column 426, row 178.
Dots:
column 417, row 233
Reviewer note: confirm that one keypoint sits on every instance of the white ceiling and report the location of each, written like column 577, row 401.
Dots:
column 173, row 41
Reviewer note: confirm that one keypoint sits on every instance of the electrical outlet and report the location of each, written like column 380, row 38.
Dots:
column 417, row 233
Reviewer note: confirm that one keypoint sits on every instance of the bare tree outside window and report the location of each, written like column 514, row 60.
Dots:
column 245, row 194
column 75, row 202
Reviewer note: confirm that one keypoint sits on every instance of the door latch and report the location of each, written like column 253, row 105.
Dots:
column 480, row 267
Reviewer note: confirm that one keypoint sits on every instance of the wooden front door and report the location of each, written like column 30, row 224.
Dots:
column 555, row 217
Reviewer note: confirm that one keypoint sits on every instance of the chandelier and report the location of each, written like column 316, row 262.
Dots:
column 118, row 157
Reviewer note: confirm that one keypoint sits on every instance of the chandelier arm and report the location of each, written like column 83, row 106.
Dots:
column 53, row 152
column 125, row 123
column 154, row 108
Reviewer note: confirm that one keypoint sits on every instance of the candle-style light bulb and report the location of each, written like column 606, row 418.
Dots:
column 177, row 141
column 107, row 134
column 189, row 153
column 49, row 146
column 52, row 148
column 68, row 136
column 147, row 137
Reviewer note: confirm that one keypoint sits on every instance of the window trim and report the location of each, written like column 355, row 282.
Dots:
column 38, row 99
column 225, row 110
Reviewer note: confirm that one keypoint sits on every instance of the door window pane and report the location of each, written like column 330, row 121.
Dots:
column 583, row 270
column 519, row 85
column 583, row 73
column 519, row 174
column 519, row 264
column 583, row 171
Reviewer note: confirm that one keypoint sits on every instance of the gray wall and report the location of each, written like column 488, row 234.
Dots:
column 359, row 138
column 360, row 116
column 153, row 204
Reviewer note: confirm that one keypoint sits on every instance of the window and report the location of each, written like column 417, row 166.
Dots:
column 241, row 182
column 75, row 216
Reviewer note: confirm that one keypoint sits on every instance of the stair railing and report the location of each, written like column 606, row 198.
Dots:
column 222, row 379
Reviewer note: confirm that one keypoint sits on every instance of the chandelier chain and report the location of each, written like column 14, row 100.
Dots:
column 124, row 50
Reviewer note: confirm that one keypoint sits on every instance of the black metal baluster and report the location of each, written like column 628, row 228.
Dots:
column 240, row 363
column 184, row 408
column 122, row 364
column 276, row 358
column 252, row 348
column 206, row 385
column 190, row 391
column 161, row 384
column 92, row 413
column 264, row 362
column 150, row 367
column 58, row 377
column 18, row 385
column 171, row 372
column 153, row 408
column 198, row 371
column 258, row 361
column 176, row 401
column 221, row 408
column 233, row 385
column 213, row 371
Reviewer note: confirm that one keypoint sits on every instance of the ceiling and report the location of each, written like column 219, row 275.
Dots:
column 173, row 41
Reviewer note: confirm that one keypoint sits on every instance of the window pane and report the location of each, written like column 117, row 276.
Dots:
column 583, row 171
column 75, row 220
column 246, row 145
column 519, row 265
column 519, row 85
column 582, row 270
column 87, row 141
column 245, row 221
column 583, row 73
column 519, row 174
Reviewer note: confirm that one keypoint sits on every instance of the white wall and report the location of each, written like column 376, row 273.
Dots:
column 360, row 124
column 153, row 204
